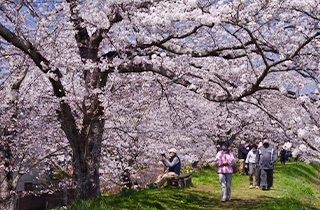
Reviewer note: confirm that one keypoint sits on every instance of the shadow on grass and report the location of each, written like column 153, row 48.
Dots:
column 265, row 202
column 206, row 194
column 182, row 199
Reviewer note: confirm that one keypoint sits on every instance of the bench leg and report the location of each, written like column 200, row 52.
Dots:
column 187, row 181
column 181, row 184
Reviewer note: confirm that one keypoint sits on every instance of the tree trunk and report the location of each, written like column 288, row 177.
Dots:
column 86, row 162
column 126, row 179
column 86, row 147
column 85, row 144
column 7, row 198
column 8, row 203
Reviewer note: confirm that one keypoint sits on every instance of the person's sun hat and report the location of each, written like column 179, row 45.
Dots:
column 172, row 150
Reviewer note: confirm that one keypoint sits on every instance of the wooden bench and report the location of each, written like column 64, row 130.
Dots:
column 183, row 180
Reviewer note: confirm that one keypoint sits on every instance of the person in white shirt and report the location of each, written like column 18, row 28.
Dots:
column 251, row 163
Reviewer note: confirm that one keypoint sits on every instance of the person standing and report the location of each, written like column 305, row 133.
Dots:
column 225, row 160
column 253, row 169
column 242, row 155
column 266, row 157
column 259, row 145
column 283, row 153
column 247, row 148
column 174, row 165
column 288, row 155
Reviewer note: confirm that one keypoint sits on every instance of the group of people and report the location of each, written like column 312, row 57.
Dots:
column 255, row 160
column 258, row 159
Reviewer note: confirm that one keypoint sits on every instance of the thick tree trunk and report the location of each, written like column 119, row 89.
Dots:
column 85, row 144
column 86, row 162
column 86, row 147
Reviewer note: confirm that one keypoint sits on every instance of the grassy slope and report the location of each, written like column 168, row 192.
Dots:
column 295, row 187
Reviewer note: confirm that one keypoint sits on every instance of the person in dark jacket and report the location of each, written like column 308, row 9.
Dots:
column 252, row 143
column 242, row 155
column 266, row 157
column 247, row 148
column 283, row 156
column 174, row 165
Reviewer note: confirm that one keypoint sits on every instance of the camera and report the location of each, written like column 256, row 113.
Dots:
column 163, row 155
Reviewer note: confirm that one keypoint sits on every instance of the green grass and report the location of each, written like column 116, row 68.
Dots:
column 295, row 187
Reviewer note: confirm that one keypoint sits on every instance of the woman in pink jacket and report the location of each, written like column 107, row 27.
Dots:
column 225, row 160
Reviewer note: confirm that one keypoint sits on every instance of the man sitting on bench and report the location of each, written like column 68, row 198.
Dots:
column 174, row 165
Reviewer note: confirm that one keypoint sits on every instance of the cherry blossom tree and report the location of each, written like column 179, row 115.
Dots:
column 253, row 58
column 27, row 142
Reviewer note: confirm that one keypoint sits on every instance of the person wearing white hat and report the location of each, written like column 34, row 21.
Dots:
column 172, row 150
column 174, row 165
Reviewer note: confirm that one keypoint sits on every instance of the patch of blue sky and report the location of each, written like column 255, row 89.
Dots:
column 308, row 89
column 35, row 10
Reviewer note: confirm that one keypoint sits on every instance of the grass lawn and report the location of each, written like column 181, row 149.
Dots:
column 295, row 187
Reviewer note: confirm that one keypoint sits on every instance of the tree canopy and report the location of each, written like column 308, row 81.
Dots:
column 108, row 85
